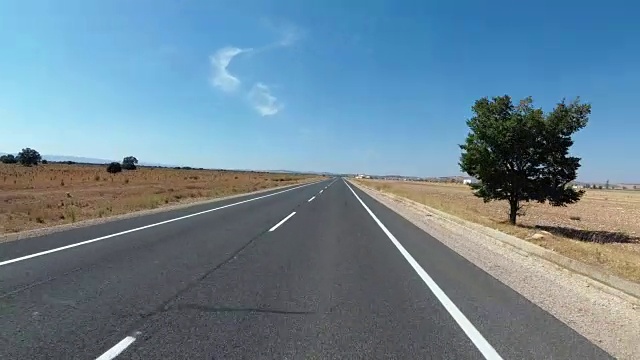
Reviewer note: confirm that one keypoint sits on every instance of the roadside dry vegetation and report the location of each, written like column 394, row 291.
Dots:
column 53, row 194
column 602, row 229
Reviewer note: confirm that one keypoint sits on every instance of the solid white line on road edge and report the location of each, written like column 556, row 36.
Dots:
column 117, row 348
column 474, row 335
column 310, row 200
column 6, row 262
column 282, row 221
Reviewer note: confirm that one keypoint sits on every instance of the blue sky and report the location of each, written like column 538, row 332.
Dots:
column 347, row 86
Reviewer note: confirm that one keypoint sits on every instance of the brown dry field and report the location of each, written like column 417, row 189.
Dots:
column 54, row 194
column 602, row 229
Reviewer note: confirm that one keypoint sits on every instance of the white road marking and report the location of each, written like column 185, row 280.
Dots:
column 282, row 221
column 326, row 187
column 7, row 262
column 117, row 348
column 474, row 335
column 310, row 200
column 320, row 191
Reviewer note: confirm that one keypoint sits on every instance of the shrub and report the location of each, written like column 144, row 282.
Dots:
column 28, row 157
column 129, row 163
column 114, row 167
column 8, row 159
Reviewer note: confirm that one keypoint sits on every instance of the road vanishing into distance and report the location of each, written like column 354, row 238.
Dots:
column 318, row 271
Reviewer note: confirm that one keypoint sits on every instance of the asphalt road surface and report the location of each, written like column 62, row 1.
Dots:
column 320, row 271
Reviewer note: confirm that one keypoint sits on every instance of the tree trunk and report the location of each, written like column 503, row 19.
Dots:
column 513, row 211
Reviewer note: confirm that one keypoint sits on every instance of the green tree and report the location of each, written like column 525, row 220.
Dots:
column 114, row 167
column 8, row 159
column 129, row 163
column 520, row 154
column 606, row 185
column 28, row 157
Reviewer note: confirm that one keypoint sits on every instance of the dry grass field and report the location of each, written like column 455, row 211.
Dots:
column 52, row 194
column 602, row 229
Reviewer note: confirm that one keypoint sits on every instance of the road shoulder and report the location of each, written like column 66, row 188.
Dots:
column 610, row 320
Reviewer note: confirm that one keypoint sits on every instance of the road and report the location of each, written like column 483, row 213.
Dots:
column 320, row 271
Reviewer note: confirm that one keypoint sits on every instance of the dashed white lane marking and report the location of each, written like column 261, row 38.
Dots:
column 474, row 335
column 6, row 262
column 282, row 221
column 326, row 187
column 118, row 348
column 310, row 200
column 320, row 191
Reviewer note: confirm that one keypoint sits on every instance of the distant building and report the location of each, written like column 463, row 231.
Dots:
column 469, row 181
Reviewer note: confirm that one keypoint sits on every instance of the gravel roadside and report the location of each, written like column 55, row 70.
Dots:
column 612, row 322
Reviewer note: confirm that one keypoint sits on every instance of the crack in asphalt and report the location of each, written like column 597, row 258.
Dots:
column 165, row 305
column 213, row 309
column 38, row 283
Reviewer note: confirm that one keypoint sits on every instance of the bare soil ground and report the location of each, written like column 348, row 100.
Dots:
column 602, row 229
column 54, row 194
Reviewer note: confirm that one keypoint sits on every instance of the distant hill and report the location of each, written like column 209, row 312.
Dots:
column 299, row 172
column 88, row 160
column 78, row 159
column 85, row 160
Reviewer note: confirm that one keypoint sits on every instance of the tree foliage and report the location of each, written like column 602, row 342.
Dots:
column 129, row 163
column 28, row 157
column 8, row 159
column 114, row 167
column 520, row 154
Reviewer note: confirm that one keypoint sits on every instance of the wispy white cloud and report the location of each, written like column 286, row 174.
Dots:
column 260, row 95
column 289, row 35
column 220, row 61
column 263, row 101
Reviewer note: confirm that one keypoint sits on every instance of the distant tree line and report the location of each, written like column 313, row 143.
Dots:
column 31, row 157
column 26, row 157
